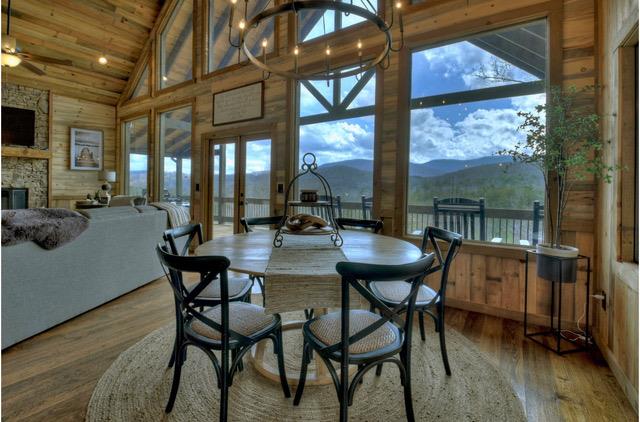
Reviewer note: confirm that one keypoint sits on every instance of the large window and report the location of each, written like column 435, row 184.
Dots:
column 175, row 142
column 136, row 145
column 465, row 99
column 316, row 23
column 142, row 86
column 336, row 123
column 220, row 53
column 176, row 46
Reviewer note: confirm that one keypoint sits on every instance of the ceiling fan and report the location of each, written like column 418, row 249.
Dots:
column 12, row 56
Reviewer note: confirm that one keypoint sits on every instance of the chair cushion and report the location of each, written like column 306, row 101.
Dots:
column 327, row 328
column 397, row 291
column 238, row 286
column 244, row 318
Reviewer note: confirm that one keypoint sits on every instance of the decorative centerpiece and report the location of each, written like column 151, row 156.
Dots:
column 306, row 224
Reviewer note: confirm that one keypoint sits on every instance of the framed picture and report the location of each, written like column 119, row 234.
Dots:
column 238, row 104
column 86, row 149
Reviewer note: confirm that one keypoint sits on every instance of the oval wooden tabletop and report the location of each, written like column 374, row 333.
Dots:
column 249, row 252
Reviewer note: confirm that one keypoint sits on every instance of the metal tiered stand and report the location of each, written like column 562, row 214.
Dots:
column 552, row 332
column 309, row 167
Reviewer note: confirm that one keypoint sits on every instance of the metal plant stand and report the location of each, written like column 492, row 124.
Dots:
column 309, row 167
column 555, row 333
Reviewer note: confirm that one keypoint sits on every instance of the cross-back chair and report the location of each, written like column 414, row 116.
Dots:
column 239, row 287
column 248, row 222
column 428, row 299
column 364, row 338
column 374, row 225
column 230, row 327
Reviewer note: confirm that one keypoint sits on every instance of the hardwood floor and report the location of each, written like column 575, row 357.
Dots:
column 51, row 376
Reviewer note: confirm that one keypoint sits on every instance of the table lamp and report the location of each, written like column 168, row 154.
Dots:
column 108, row 176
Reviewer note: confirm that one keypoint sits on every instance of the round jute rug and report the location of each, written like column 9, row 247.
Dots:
column 136, row 388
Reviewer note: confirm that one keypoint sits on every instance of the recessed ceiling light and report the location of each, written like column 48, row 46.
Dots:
column 102, row 60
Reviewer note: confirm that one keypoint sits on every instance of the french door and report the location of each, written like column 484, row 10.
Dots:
column 239, row 182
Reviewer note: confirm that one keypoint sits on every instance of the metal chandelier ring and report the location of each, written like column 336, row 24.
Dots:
column 297, row 5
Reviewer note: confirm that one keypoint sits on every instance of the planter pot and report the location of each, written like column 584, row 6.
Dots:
column 557, row 264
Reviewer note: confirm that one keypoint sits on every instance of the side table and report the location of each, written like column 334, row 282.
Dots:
column 556, row 332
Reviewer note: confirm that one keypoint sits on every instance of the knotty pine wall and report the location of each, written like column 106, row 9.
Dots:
column 488, row 279
column 617, row 327
column 70, row 185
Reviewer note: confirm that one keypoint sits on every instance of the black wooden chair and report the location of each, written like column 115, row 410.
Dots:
column 364, row 338
column 392, row 293
column 367, row 206
column 248, row 222
column 373, row 225
column 239, row 287
column 459, row 215
column 230, row 327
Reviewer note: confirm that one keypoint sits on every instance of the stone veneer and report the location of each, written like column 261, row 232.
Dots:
column 18, row 172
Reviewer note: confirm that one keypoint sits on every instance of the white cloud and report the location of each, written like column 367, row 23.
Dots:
column 338, row 141
column 463, row 60
column 481, row 133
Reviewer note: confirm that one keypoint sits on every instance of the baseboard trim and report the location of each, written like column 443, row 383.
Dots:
column 623, row 381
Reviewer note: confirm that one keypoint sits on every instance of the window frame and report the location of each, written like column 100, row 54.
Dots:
column 553, row 14
column 157, row 48
column 124, row 167
column 204, row 36
column 627, row 154
column 322, row 39
column 159, row 148
column 376, row 112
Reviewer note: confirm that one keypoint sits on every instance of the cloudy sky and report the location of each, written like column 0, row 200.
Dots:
column 455, row 131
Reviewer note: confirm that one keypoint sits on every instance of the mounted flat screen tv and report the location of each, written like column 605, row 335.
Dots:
column 18, row 126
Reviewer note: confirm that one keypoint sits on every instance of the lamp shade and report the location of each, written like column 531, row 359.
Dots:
column 107, row 175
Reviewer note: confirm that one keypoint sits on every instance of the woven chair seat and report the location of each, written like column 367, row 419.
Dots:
column 238, row 286
column 327, row 328
column 244, row 318
column 397, row 291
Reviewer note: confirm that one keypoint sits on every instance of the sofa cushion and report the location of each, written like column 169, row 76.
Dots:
column 95, row 213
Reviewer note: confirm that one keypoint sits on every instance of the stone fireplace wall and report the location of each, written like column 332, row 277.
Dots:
column 31, row 173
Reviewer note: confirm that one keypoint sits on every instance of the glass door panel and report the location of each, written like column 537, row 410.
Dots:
column 257, row 179
column 223, row 189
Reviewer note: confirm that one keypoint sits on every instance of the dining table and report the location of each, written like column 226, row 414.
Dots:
column 251, row 253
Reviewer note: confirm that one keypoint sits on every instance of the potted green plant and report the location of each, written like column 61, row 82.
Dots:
column 563, row 141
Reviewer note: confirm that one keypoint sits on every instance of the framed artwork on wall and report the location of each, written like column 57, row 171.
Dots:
column 86, row 149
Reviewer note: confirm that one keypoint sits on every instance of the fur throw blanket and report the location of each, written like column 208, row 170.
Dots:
column 48, row 227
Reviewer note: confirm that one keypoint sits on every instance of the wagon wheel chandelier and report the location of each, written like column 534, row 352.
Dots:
column 368, row 13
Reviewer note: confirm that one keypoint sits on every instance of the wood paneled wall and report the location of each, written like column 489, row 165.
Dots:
column 617, row 327
column 70, row 185
column 485, row 278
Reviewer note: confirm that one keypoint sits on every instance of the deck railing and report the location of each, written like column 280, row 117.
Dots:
column 520, row 227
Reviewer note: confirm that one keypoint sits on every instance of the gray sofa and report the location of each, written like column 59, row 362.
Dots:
column 116, row 254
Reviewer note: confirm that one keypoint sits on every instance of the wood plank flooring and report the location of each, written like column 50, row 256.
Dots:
column 51, row 376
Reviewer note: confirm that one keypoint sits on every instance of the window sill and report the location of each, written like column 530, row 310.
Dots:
column 627, row 272
column 481, row 248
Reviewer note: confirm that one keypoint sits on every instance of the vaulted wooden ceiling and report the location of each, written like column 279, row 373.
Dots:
column 80, row 31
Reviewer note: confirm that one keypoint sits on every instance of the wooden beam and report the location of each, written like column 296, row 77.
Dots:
column 24, row 152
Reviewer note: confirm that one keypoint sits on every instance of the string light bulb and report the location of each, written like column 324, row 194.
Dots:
column 359, row 45
column 234, row 2
column 242, row 24
column 264, row 43
column 328, row 51
column 296, row 51
column 398, row 5
column 102, row 60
